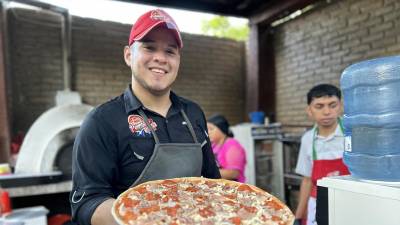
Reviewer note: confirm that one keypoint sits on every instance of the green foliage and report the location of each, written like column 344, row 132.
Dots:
column 220, row 26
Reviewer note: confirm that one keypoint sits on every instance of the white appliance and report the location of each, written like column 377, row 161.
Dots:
column 357, row 202
column 36, row 215
column 264, row 155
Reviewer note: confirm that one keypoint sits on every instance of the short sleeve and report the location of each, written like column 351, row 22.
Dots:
column 235, row 158
column 304, row 161
column 93, row 169
column 209, row 167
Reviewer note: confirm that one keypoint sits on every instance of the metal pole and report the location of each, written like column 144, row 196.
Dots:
column 4, row 110
column 66, row 49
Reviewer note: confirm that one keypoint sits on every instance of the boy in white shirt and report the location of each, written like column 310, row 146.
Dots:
column 321, row 149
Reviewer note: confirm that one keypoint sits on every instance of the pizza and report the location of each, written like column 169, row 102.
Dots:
column 197, row 200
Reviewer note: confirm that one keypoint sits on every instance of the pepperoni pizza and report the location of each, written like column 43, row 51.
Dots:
column 195, row 200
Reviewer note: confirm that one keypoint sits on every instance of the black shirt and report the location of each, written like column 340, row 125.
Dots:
column 113, row 147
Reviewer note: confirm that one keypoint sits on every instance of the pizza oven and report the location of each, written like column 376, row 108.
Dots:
column 47, row 146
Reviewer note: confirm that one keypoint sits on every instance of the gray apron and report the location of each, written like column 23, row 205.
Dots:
column 171, row 160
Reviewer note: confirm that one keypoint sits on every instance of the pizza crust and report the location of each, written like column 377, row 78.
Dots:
column 275, row 202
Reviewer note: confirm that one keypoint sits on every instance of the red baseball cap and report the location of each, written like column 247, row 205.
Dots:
column 149, row 21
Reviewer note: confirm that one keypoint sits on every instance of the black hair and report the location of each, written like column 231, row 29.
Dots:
column 221, row 122
column 322, row 90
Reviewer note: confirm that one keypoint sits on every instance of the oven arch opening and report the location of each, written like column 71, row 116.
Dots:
column 48, row 136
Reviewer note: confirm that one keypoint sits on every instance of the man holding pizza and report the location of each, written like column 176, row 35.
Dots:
column 321, row 148
column 146, row 133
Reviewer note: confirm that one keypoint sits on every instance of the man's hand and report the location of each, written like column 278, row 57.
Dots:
column 102, row 214
column 305, row 190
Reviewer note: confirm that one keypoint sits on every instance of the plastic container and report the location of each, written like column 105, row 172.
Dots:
column 27, row 216
column 371, row 93
column 11, row 222
column 5, row 202
column 257, row 117
column 5, row 169
column 59, row 219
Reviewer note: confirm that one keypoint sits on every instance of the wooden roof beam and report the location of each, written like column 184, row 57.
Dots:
column 281, row 9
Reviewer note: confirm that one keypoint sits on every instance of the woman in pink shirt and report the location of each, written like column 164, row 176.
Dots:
column 230, row 155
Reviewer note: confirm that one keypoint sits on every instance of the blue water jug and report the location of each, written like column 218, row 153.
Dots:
column 371, row 93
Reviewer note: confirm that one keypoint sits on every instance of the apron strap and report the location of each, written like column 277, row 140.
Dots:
column 314, row 152
column 189, row 124
column 146, row 120
column 341, row 124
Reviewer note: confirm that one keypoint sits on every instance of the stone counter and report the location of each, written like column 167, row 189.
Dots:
column 64, row 186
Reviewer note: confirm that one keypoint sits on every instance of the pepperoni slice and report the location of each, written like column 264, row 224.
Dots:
column 150, row 196
column 229, row 202
column 169, row 183
column 244, row 214
column 192, row 189
column 276, row 218
column 141, row 189
column 245, row 187
column 273, row 204
column 172, row 211
column 211, row 184
column 231, row 196
column 130, row 216
column 235, row 220
column 171, row 193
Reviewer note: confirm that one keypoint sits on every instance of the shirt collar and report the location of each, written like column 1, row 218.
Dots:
column 338, row 133
column 132, row 103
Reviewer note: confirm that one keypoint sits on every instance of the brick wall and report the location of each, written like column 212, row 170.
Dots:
column 316, row 47
column 310, row 49
column 36, row 66
column 211, row 72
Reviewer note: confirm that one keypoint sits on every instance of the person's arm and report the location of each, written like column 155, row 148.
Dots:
column 235, row 160
column 304, row 168
column 305, row 190
column 229, row 174
column 94, row 167
column 209, row 168
column 102, row 215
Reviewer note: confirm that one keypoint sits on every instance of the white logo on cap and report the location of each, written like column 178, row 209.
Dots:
column 159, row 15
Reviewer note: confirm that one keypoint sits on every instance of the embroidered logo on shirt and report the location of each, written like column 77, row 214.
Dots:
column 138, row 126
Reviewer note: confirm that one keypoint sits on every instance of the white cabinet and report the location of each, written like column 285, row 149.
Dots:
column 264, row 154
column 353, row 202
